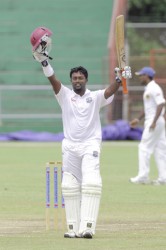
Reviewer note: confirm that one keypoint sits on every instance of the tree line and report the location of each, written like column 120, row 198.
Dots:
column 146, row 11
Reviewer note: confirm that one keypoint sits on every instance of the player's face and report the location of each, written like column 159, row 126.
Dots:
column 78, row 82
column 143, row 79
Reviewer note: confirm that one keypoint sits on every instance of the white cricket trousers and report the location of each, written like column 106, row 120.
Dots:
column 82, row 160
column 153, row 142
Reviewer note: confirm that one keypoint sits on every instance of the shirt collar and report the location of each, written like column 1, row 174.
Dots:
column 86, row 92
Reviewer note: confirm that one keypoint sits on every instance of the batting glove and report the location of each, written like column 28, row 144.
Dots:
column 126, row 73
column 42, row 51
column 40, row 57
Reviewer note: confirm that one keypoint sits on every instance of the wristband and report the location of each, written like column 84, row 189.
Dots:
column 117, row 79
column 47, row 70
column 44, row 63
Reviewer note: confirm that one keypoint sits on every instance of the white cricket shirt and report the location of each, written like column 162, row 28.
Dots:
column 80, row 114
column 152, row 97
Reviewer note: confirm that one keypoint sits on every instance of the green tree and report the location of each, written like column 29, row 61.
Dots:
column 146, row 11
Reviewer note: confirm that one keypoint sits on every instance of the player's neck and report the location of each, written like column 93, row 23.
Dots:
column 148, row 82
column 80, row 92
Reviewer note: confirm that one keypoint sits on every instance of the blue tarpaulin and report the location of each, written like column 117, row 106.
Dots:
column 120, row 130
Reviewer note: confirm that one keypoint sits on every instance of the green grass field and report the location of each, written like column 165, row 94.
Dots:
column 132, row 217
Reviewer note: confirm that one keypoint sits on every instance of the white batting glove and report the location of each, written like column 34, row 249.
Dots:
column 42, row 51
column 126, row 73
column 40, row 57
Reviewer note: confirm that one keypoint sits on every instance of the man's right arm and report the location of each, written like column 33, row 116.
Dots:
column 56, row 84
column 49, row 73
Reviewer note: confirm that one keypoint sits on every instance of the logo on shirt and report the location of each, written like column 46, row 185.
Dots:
column 89, row 99
column 147, row 96
column 73, row 100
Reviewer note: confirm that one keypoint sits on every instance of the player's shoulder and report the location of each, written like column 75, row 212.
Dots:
column 97, row 92
column 64, row 92
column 65, row 88
column 156, row 86
column 153, row 85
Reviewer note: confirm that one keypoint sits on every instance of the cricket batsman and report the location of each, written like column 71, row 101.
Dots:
column 81, row 184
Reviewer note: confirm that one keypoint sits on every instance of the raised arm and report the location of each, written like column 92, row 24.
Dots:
column 49, row 72
column 126, row 73
column 41, row 46
column 112, row 88
column 56, row 84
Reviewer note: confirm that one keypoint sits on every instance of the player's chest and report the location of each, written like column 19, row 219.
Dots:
column 84, row 103
column 148, row 98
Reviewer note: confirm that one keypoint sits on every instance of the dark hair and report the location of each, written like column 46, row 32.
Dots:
column 79, row 69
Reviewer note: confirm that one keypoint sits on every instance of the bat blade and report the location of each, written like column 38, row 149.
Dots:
column 120, row 41
column 120, row 48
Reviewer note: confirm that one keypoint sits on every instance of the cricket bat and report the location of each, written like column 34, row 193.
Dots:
column 120, row 48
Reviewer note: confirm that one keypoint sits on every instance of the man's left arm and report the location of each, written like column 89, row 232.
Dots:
column 157, row 115
column 126, row 73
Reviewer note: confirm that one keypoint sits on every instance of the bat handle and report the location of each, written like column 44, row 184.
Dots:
column 124, row 85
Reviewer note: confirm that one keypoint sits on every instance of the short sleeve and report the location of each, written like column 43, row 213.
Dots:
column 62, row 94
column 158, row 96
column 103, row 101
